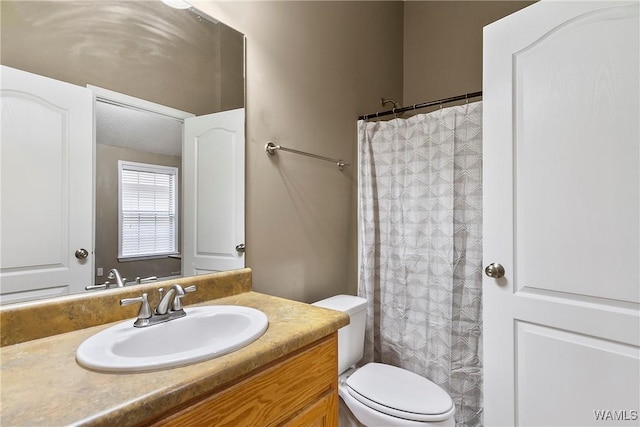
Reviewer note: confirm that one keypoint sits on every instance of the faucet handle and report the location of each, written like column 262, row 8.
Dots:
column 146, row 279
column 177, row 302
column 145, row 309
column 104, row 285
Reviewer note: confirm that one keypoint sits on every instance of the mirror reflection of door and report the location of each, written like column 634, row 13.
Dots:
column 213, row 164
column 46, row 180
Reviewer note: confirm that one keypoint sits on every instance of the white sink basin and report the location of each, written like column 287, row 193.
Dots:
column 204, row 333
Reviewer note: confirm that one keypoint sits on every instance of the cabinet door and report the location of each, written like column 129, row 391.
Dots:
column 301, row 389
column 322, row 413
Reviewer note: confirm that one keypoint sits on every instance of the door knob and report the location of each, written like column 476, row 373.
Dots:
column 240, row 247
column 494, row 270
column 82, row 253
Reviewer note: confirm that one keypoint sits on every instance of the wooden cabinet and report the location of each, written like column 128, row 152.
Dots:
column 298, row 390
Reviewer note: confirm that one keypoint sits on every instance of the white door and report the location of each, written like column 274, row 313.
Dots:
column 46, row 172
column 562, row 215
column 213, row 165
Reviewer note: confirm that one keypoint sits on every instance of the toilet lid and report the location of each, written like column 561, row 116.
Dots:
column 401, row 393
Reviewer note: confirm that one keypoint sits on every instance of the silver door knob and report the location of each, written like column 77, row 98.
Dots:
column 82, row 253
column 240, row 247
column 494, row 270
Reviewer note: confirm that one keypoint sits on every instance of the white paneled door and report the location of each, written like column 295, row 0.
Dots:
column 562, row 215
column 213, row 164
column 47, row 179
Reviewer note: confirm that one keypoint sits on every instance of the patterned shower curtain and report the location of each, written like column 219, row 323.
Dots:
column 421, row 248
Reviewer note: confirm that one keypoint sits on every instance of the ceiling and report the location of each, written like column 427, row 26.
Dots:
column 137, row 129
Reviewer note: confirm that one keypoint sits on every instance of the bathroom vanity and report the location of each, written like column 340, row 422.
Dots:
column 286, row 377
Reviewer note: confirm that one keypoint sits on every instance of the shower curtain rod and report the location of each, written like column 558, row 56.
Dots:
column 423, row 105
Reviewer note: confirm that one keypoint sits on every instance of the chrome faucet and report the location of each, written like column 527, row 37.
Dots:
column 120, row 281
column 169, row 307
column 115, row 274
column 170, row 300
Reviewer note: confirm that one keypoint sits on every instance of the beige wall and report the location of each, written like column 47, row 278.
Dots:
column 312, row 68
column 443, row 46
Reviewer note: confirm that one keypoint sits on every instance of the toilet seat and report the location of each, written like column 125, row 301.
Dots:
column 400, row 393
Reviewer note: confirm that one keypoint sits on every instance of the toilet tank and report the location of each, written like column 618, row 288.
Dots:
column 350, row 337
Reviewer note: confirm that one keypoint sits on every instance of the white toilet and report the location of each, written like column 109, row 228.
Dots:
column 381, row 395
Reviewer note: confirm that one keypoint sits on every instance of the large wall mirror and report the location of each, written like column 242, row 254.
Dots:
column 157, row 65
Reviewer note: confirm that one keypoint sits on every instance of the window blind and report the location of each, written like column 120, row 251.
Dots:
column 148, row 220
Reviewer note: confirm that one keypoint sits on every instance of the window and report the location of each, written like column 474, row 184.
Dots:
column 148, row 223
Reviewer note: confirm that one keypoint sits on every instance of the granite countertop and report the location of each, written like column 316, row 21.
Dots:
column 43, row 385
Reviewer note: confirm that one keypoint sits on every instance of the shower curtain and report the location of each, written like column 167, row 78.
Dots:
column 420, row 185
